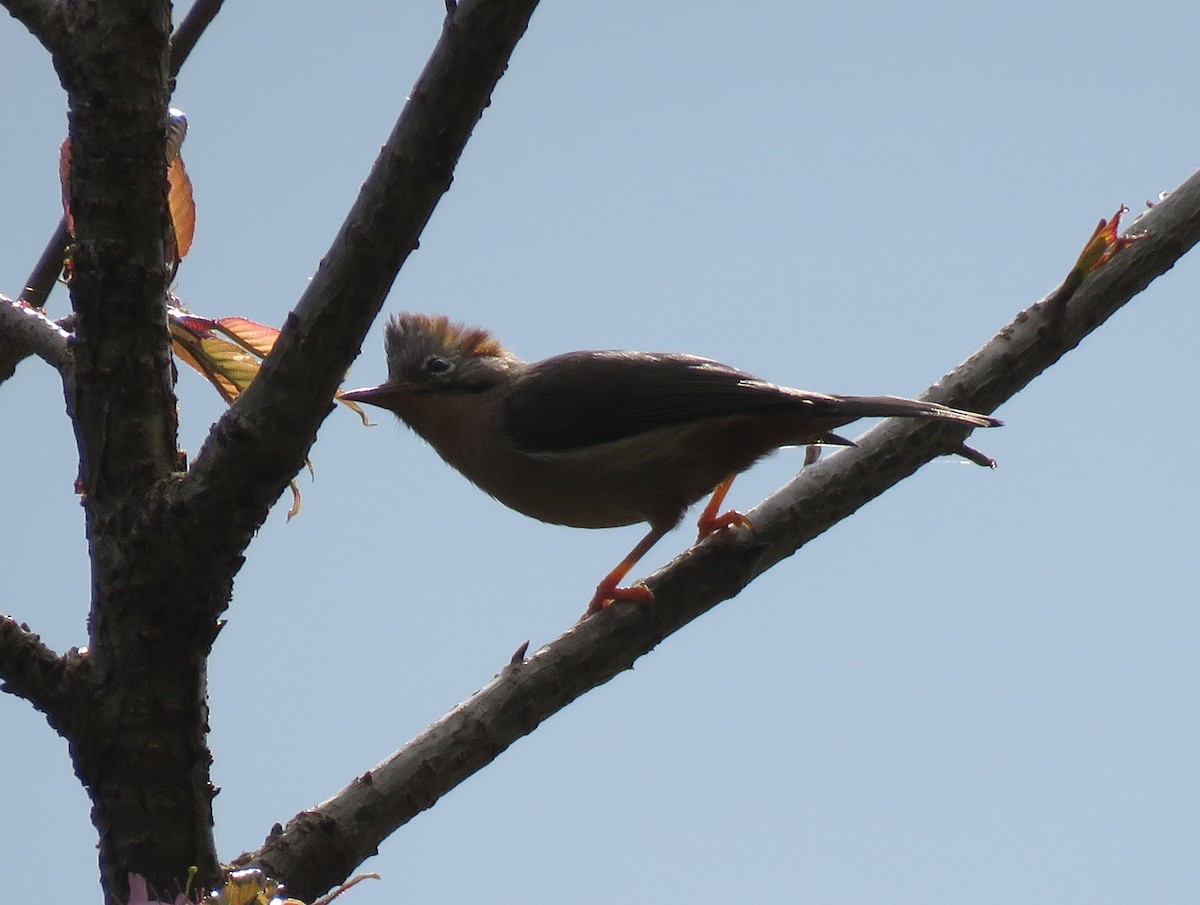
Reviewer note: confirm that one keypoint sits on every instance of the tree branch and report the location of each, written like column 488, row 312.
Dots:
column 1038, row 337
column 321, row 847
column 36, row 332
column 45, row 272
column 262, row 441
column 31, row 670
column 161, row 573
column 189, row 30
column 37, row 288
column 43, row 18
column 123, row 400
column 138, row 727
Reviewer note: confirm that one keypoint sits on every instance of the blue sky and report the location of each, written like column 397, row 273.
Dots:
column 982, row 688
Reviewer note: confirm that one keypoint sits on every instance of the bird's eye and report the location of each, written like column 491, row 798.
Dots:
column 435, row 364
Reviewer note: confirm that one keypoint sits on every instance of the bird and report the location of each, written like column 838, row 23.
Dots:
column 600, row 439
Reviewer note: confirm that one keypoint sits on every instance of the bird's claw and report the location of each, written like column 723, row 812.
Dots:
column 712, row 524
column 607, row 596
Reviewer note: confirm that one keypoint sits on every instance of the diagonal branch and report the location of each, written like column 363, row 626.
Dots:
column 43, row 18
column 262, row 441
column 42, row 336
column 189, row 30
column 1037, row 338
column 321, row 847
column 42, row 279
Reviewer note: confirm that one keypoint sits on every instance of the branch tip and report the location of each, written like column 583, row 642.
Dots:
column 973, row 455
column 518, row 656
column 30, row 669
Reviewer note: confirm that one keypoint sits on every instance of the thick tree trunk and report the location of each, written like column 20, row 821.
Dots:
column 136, row 721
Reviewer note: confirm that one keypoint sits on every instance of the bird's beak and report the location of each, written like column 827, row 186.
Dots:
column 383, row 395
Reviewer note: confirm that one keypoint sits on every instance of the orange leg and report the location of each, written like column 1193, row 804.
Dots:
column 607, row 591
column 711, row 523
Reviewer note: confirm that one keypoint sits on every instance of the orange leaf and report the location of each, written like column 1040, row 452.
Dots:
column 64, row 179
column 229, row 351
column 253, row 336
column 1104, row 244
column 182, row 206
column 179, row 198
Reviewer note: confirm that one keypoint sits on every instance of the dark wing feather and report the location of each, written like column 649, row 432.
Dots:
column 584, row 398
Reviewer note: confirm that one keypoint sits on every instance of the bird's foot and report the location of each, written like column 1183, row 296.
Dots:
column 607, row 595
column 711, row 524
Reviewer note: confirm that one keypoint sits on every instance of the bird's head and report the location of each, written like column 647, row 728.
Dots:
column 432, row 354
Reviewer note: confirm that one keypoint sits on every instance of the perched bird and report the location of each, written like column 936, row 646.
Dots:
column 601, row 439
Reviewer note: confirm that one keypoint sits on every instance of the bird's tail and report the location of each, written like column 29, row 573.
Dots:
column 897, row 406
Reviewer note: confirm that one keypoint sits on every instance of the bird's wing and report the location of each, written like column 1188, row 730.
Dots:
column 585, row 398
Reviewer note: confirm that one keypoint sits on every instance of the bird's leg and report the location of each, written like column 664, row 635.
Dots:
column 607, row 591
column 711, row 523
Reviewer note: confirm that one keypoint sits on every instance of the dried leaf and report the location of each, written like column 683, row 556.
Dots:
column 329, row 897
column 358, row 409
column 294, row 509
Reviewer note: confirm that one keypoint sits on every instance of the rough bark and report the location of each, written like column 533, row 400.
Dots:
column 137, row 727
column 165, row 545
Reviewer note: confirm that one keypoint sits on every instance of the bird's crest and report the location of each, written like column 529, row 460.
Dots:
column 474, row 342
